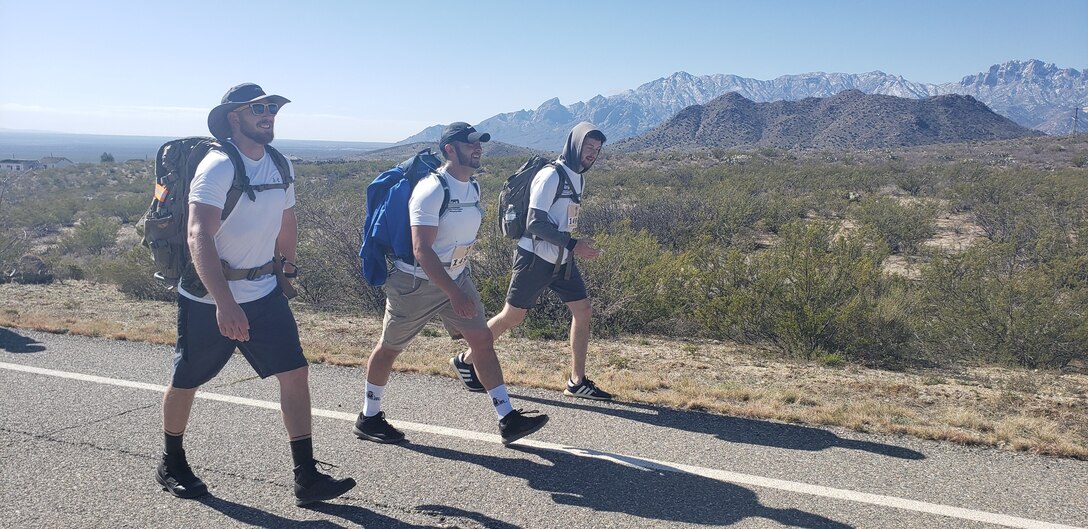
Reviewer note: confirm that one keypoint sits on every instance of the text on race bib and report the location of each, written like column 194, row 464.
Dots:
column 461, row 255
column 572, row 216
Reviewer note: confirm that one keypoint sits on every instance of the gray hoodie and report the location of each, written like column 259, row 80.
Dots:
column 572, row 150
column 539, row 226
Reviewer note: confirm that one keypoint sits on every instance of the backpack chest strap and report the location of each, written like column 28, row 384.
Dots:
column 266, row 187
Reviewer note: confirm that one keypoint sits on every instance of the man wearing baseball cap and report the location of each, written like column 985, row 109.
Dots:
column 439, row 284
column 230, row 299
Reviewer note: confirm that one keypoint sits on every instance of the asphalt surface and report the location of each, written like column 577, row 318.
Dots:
column 80, row 434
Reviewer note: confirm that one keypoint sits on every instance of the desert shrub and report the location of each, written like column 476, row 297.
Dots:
column 330, row 233
column 800, row 295
column 13, row 244
column 902, row 226
column 66, row 267
column 636, row 285
column 30, row 269
column 133, row 274
column 881, row 333
column 91, row 236
column 990, row 305
column 916, row 182
column 127, row 207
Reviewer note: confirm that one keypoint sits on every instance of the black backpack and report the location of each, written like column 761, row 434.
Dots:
column 514, row 197
column 165, row 226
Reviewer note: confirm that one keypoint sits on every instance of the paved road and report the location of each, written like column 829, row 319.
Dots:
column 80, row 430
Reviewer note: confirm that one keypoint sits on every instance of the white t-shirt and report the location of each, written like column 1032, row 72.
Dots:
column 247, row 239
column 458, row 227
column 563, row 213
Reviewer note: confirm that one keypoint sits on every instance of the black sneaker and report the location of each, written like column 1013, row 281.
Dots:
column 376, row 429
column 518, row 424
column 311, row 485
column 586, row 390
column 467, row 374
column 177, row 478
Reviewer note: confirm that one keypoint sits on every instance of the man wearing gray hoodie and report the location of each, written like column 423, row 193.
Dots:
column 545, row 259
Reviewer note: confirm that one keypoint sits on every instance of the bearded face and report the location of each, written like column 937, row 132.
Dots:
column 258, row 128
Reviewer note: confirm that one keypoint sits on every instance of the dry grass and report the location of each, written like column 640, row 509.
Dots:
column 1041, row 412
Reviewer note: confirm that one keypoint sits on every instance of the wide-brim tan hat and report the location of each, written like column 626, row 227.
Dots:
column 236, row 97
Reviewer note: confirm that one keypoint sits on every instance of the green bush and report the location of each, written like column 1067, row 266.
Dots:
column 989, row 305
column 636, row 285
column 91, row 236
column 902, row 226
column 133, row 274
column 799, row 295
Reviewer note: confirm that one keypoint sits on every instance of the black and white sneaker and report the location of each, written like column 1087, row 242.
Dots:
column 518, row 424
column 376, row 429
column 586, row 390
column 467, row 373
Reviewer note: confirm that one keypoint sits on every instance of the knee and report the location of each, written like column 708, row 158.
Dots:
column 512, row 316
column 383, row 353
column 173, row 392
column 582, row 311
column 481, row 341
column 294, row 376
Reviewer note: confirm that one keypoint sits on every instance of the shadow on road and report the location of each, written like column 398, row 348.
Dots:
column 733, row 429
column 600, row 485
column 14, row 342
column 354, row 516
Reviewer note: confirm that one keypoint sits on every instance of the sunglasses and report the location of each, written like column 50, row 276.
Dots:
column 259, row 108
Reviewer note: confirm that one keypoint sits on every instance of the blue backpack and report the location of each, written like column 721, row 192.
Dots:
column 386, row 231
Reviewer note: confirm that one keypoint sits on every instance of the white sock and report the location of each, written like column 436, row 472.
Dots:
column 373, row 403
column 501, row 400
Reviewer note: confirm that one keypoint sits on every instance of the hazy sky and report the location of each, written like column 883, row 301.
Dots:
column 381, row 71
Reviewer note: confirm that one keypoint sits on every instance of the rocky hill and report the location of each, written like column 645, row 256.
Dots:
column 847, row 120
column 1031, row 93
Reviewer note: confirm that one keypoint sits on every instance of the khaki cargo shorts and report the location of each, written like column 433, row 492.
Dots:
column 411, row 302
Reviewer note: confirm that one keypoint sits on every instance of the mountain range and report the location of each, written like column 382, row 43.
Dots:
column 1031, row 93
column 848, row 120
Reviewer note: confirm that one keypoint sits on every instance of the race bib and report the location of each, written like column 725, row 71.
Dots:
column 460, row 256
column 572, row 216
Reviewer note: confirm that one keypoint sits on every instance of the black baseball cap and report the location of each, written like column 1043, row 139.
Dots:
column 461, row 131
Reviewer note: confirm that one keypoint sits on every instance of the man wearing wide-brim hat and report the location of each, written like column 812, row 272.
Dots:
column 238, row 97
column 233, row 301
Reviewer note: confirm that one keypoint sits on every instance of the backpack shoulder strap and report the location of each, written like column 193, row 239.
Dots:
column 282, row 167
column 241, row 180
column 564, row 178
column 445, row 193
column 281, row 164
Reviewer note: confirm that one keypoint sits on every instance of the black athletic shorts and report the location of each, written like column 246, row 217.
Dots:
column 202, row 351
column 532, row 275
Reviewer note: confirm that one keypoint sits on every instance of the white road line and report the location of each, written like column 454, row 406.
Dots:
column 633, row 461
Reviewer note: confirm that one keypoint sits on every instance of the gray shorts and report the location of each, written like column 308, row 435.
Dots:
column 411, row 302
column 532, row 275
column 201, row 351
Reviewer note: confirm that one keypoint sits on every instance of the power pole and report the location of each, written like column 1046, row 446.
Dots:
column 1076, row 112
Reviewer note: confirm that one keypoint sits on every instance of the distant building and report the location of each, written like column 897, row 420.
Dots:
column 49, row 162
column 10, row 165
column 52, row 162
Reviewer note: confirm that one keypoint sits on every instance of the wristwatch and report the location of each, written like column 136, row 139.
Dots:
column 291, row 275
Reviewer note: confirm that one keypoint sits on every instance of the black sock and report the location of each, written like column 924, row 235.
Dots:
column 302, row 452
column 172, row 445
